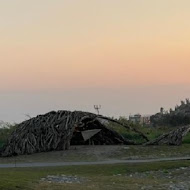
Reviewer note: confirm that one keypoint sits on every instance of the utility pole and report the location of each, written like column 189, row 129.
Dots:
column 97, row 108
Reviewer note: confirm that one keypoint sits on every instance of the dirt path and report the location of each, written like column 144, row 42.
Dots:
column 46, row 164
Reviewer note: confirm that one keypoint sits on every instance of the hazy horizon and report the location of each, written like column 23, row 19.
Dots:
column 130, row 56
column 115, row 102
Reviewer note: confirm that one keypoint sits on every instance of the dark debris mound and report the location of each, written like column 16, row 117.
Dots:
column 174, row 137
column 56, row 130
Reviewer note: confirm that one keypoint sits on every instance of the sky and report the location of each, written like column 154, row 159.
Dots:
column 130, row 56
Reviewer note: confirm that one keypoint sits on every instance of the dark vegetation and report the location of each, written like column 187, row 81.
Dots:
column 5, row 131
column 177, row 117
column 127, row 133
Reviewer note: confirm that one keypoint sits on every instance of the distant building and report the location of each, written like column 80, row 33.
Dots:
column 135, row 118
column 139, row 119
column 145, row 120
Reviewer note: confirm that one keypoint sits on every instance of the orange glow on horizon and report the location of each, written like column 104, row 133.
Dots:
column 91, row 43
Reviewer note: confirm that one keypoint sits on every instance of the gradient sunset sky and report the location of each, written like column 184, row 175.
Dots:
column 130, row 56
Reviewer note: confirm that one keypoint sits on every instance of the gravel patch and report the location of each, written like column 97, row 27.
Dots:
column 62, row 179
column 175, row 179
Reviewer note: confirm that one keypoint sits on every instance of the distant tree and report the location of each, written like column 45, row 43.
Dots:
column 187, row 101
column 182, row 102
column 161, row 110
column 5, row 131
column 123, row 119
column 176, row 107
column 179, row 116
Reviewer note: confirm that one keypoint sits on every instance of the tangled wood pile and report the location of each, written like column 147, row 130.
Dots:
column 94, row 131
column 172, row 138
column 51, row 131
column 56, row 130
column 59, row 130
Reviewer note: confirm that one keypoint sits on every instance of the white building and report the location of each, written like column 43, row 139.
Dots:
column 139, row 119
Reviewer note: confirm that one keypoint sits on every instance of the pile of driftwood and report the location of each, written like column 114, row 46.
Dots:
column 93, row 131
column 174, row 137
column 56, row 130
column 51, row 131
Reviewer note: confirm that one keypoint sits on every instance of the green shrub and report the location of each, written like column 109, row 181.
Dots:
column 5, row 131
column 186, row 140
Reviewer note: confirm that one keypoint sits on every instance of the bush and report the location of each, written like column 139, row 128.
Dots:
column 5, row 131
column 186, row 140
